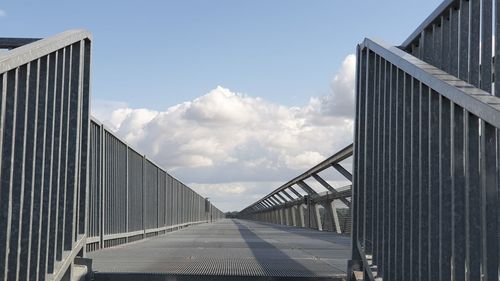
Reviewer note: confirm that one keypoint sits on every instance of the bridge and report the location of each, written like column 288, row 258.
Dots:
column 421, row 200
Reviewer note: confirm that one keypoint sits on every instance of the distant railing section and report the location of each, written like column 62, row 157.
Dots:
column 426, row 191
column 308, row 208
column 130, row 197
column 44, row 119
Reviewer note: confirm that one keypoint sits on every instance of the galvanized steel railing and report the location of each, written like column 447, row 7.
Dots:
column 44, row 122
column 131, row 198
column 426, row 191
column 57, row 200
column 310, row 209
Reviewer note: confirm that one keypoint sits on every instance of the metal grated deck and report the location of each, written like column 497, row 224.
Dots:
column 236, row 249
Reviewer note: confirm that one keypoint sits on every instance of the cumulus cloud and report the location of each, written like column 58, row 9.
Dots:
column 230, row 143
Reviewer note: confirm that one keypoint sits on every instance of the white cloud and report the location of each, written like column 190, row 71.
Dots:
column 230, row 143
column 3, row 13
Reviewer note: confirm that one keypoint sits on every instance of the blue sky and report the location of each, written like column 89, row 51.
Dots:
column 234, row 98
column 155, row 54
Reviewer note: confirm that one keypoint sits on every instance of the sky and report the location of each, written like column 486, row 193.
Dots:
column 231, row 97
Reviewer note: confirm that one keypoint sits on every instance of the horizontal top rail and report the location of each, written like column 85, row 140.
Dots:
column 435, row 15
column 336, row 158
column 26, row 53
column 476, row 101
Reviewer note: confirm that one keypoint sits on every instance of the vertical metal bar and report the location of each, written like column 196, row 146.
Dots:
column 415, row 178
column 391, row 196
column 474, row 42
column 368, row 152
column 424, row 189
column 486, row 45
column 27, row 223
column 444, row 38
column 48, row 167
column 376, row 142
column 3, row 193
column 445, row 194
column 458, row 193
column 497, row 47
column 489, row 182
column 85, row 127
column 453, row 49
column 17, row 183
column 39, row 168
column 473, row 198
column 434, row 203
column 358, row 185
column 436, row 46
column 463, row 59
column 398, row 257
column 407, row 148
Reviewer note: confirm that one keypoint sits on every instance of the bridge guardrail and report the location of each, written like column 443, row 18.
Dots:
column 44, row 96
column 130, row 197
column 48, row 178
column 425, row 190
column 308, row 208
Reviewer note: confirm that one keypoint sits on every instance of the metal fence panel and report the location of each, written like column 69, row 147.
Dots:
column 44, row 125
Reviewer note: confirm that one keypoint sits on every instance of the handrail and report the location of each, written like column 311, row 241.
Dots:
column 325, row 164
column 474, row 100
column 29, row 52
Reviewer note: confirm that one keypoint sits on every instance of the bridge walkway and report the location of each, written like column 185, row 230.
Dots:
column 229, row 249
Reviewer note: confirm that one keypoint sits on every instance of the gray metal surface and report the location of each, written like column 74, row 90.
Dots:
column 426, row 155
column 230, row 248
column 44, row 117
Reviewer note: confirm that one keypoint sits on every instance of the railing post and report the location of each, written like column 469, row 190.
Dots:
column 318, row 217
column 301, row 213
column 294, row 218
column 103, row 166
column 126, row 193
column 335, row 217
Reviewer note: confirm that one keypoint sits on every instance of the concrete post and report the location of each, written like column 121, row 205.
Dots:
column 335, row 217
column 318, row 217
column 294, row 218
column 301, row 213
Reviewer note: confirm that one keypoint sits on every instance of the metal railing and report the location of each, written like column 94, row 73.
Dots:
column 308, row 208
column 67, row 184
column 130, row 197
column 44, row 121
column 425, row 192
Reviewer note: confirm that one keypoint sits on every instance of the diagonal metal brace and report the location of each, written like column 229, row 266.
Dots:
column 307, row 188
column 331, row 189
column 343, row 171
